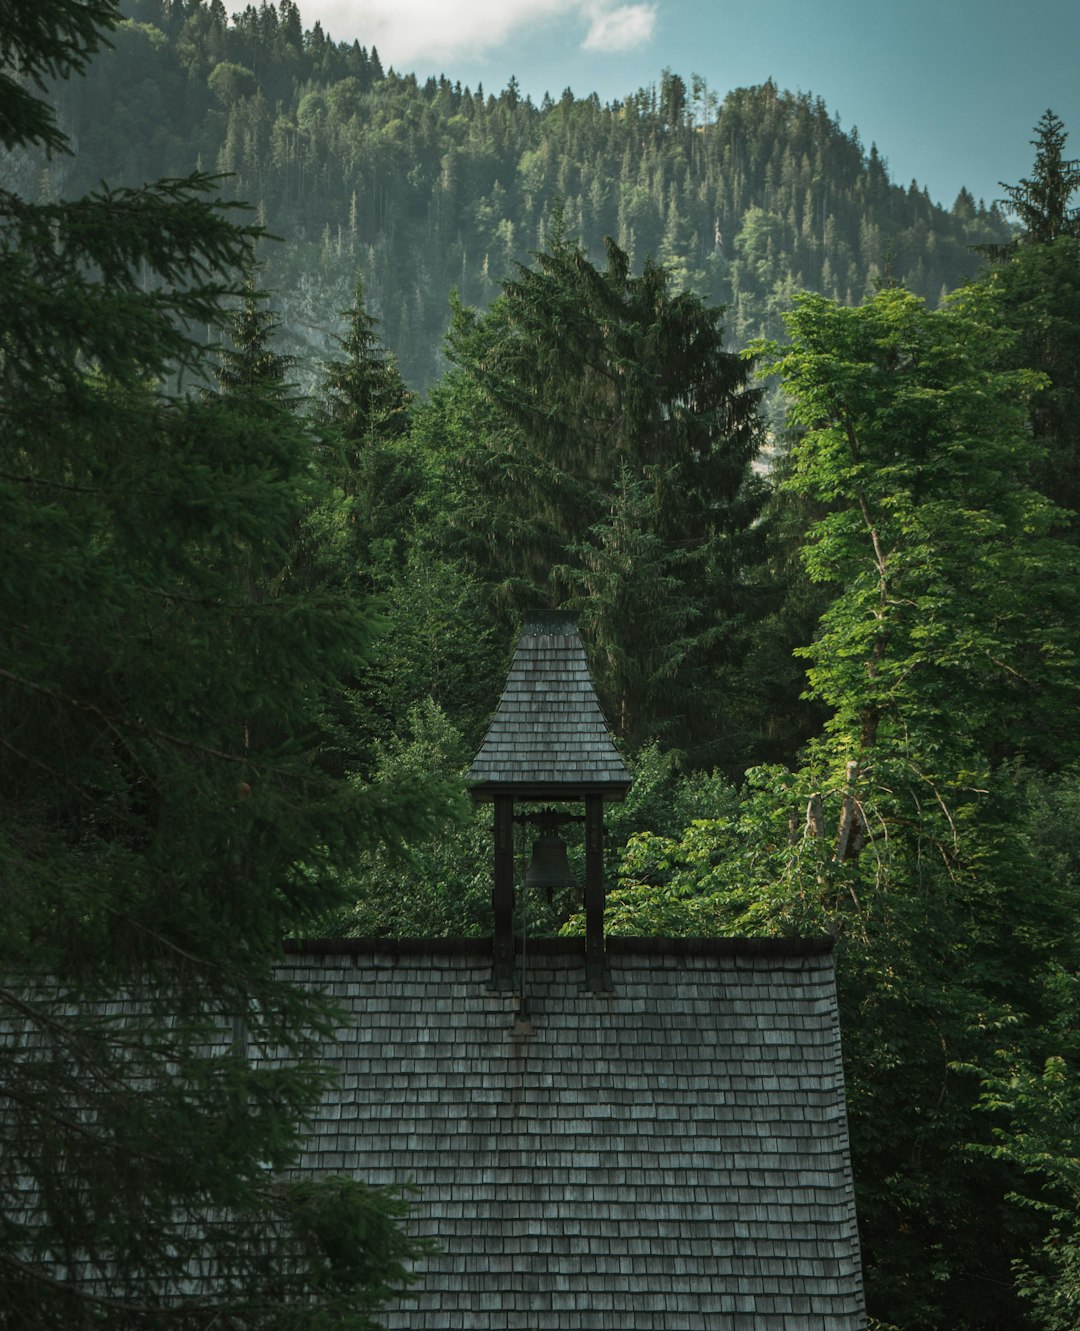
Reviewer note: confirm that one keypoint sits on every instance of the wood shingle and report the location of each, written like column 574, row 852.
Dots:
column 548, row 736
column 668, row 1156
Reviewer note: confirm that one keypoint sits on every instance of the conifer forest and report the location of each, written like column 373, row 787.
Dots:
column 313, row 378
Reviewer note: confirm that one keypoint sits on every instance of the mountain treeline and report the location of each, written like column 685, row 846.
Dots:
column 432, row 186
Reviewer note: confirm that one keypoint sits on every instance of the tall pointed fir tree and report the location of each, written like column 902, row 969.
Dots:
column 1036, row 281
column 248, row 362
column 1042, row 203
column 363, row 393
column 438, row 647
column 363, row 409
column 164, row 819
column 595, row 392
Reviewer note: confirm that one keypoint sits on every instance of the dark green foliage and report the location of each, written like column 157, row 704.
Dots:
column 166, row 812
column 248, row 365
column 442, row 645
column 1036, row 281
column 608, row 469
column 1030, row 1088
column 363, row 409
column 1039, row 291
column 1042, row 203
column 355, row 1241
column 374, row 536
column 364, row 396
column 192, row 689
column 779, row 715
column 39, row 42
column 444, row 888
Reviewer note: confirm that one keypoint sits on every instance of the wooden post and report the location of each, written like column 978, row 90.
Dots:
column 502, row 897
column 595, row 967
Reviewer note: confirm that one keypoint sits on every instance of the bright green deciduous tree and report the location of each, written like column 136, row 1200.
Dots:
column 165, row 812
column 945, row 659
column 955, row 595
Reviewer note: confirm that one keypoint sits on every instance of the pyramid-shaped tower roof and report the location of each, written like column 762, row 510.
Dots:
column 548, row 739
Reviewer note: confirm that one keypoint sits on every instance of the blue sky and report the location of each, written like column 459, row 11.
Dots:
column 949, row 90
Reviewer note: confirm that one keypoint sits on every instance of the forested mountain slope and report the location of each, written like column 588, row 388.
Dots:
column 426, row 187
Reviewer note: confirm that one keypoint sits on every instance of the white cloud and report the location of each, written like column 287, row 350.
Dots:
column 621, row 29
column 408, row 31
column 437, row 32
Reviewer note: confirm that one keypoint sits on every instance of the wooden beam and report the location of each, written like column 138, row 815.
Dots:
column 595, row 959
column 502, row 896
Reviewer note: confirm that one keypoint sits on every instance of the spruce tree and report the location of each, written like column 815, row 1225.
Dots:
column 597, row 393
column 1036, row 281
column 165, row 818
column 248, row 361
column 364, row 397
column 363, row 411
column 1041, row 203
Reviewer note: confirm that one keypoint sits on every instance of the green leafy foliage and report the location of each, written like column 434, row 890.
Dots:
column 953, row 583
column 206, row 743
column 355, row 1241
column 944, row 657
column 947, row 650
column 443, row 888
column 1036, row 1110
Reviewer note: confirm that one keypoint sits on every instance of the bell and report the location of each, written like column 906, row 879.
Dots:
column 549, row 866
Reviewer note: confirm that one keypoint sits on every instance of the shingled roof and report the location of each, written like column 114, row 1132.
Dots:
column 670, row 1156
column 548, row 738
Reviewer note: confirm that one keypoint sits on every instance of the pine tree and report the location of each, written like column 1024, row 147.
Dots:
column 1041, row 202
column 364, row 396
column 165, row 818
column 596, row 388
column 363, row 410
column 1036, row 281
column 250, row 364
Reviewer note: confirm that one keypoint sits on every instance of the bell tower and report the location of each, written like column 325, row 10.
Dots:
column 548, row 741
